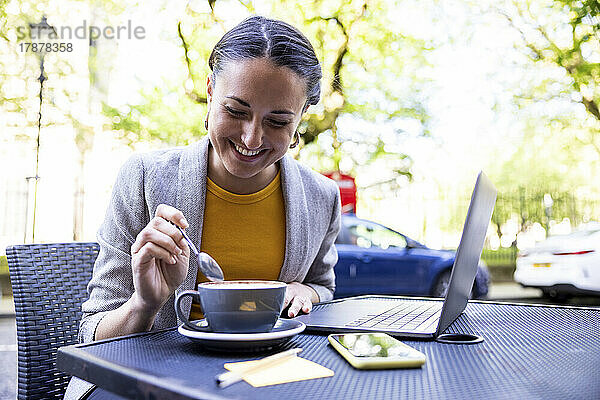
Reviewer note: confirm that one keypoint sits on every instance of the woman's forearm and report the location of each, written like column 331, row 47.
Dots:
column 130, row 318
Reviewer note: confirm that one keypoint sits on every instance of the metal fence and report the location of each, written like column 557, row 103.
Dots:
column 544, row 206
column 529, row 207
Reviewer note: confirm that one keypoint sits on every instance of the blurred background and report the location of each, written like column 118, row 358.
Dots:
column 418, row 96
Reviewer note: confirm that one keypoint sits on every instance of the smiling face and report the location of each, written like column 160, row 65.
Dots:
column 254, row 109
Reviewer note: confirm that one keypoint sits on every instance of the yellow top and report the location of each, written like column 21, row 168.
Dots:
column 244, row 233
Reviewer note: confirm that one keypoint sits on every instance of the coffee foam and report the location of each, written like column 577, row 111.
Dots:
column 242, row 285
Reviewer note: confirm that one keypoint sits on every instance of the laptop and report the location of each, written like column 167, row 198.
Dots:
column 416, row 317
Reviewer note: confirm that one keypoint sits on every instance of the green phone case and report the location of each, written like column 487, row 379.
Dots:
column 412, row 359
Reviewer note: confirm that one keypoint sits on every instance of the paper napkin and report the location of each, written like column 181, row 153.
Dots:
column 291, row 370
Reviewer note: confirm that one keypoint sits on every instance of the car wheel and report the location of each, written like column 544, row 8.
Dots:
column 555, row 295
column 441, row 285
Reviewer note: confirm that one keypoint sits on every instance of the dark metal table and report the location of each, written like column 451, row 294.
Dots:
column 529, row 352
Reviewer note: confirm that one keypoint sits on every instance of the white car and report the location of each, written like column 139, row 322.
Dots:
column 563, row 265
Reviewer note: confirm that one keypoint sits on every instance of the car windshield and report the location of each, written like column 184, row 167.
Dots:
column 372, row 235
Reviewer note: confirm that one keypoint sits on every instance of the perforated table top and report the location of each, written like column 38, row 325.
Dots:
column 529, row 352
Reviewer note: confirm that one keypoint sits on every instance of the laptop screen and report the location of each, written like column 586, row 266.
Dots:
column 469, row 251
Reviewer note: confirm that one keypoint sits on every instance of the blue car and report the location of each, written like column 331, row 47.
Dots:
column 374, row 259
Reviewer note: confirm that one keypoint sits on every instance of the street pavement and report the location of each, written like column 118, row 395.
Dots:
column 8, row 357
column 508, row 291
column 513, row 292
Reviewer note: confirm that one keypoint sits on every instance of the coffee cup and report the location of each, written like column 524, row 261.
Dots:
column 244, row 306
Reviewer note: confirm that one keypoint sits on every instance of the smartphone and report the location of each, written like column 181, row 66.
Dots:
column 376, row 351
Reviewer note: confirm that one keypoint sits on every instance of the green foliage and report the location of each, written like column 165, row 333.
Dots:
column 503, row 257
column 3, row 265
column 554, row 148
column 370, row 71
column 19, row 71
column 528, row 206
column 13, row 67
column 167, row 117
column 546, row 161
column 563, row 33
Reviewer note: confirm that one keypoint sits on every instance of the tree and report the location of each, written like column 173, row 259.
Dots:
column 370, row 72
column 565, row 34
column 64, row 97
column 553, row 145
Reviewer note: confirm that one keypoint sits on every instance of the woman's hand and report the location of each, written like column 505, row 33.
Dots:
column 299, row 297
column 159, row 259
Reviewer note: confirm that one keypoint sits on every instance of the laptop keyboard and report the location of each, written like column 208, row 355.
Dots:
column 408, row 316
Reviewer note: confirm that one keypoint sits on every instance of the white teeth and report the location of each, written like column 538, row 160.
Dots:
column 246, row 152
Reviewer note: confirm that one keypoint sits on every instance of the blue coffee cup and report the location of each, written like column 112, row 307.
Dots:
column 243, row 306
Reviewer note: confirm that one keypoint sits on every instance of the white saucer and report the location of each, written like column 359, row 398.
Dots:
column 283, row 331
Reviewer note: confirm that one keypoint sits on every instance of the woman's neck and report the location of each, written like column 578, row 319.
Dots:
column 219, row 175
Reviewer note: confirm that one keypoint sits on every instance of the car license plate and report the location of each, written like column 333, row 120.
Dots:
column 542, row 265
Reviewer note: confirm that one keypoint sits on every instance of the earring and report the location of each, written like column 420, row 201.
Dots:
column 297, row 141
column 206, row 121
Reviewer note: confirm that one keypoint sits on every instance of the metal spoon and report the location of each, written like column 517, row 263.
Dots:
column 208, row 266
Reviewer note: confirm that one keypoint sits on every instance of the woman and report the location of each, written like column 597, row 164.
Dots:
column 258, row 212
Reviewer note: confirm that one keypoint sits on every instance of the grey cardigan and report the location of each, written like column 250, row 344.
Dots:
column 178, row 177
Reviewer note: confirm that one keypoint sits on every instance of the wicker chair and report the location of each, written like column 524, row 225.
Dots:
column 49, row 284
